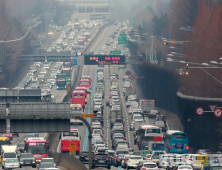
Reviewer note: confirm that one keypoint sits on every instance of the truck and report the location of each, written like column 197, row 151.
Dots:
column 115, row 84
column 156, row 146
column 147, row 106
column 115, row 116
column 114, row 70
column 129, row 91
column 8, row 151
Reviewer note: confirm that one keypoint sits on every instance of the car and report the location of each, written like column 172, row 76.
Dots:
column 84, row 156
column 161, row 118
column 11, row 163
column 101, row 159
column 182, row 167
column 137, row 118
column 161, row 124
column 44, row 165
column 27, row 159
column 21, row 147
column 118, row 160
column 140, row 165
column 203, row 151
column 29, row 136
column 124, row 161
column 133, row 161
column 50, row 160
column 153, row 113
column 149, row 166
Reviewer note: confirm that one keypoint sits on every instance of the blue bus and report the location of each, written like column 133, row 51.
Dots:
column 176, row 142
column 61, row 81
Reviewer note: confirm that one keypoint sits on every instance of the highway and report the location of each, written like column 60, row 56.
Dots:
column 92, row 72
column 59, row 96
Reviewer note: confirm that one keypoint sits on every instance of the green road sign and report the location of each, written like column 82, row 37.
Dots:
column 122, row 42
column 123, row 35
column 115, row 52
column 144, row 152
column 121, row 38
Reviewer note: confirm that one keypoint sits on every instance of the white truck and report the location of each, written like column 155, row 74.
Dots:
column 8, row 151
column 114, row 70
column 147, row 106
column 115, row 83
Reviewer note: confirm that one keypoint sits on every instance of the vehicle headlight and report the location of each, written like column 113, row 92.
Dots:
column 57, row 87
column 65, row 86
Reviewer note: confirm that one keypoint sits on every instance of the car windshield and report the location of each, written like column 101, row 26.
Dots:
column 47, row 160
column 10, row 155
column 159, row 123
column 26, row 155
column 46, row 165
column 137, row 117
column 186, row 167
column 11, row 160
column 135, row 157
column 150, row 165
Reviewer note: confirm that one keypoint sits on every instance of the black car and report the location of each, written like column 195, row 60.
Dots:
column 161, row 124
column 161, row 118
column 84, row 156
column 111, row 156
column 101, row 160
column 21, row 147
column 118, row 160
column 27, row 159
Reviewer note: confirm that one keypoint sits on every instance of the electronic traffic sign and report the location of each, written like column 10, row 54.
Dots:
column 106, row 59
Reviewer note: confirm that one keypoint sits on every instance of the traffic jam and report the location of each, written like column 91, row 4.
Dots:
column 128, row 132
column 20, row 151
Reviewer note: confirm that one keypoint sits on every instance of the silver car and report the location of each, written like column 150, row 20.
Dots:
column 11, row 163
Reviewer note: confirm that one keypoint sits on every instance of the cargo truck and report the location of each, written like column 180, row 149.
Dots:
column 147, row 106
column 115, row 116
column 8, row 151
column 114, row 71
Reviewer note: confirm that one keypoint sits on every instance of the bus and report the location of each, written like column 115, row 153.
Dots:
column 61, row 81
column 85, row 83
column 78, row 97
column 67, row 137
column 85, row 92
column 147, row 134
column 176, row 141
column 38, row 147
column 76, row 109
column 67, row 65
column 87, row 77
column 67, row 71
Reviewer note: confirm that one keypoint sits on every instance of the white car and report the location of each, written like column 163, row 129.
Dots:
column 182, row 167
column 11, row 163
column 137, row 118
column 149, row 166
column 133, row 161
